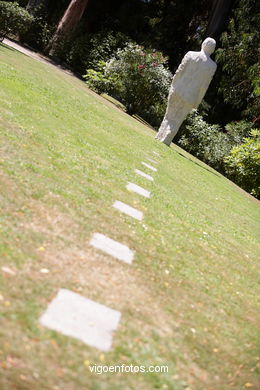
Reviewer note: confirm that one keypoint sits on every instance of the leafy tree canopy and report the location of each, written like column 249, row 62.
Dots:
column 238, row 58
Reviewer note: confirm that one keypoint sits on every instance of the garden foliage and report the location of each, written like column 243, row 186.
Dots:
column 138, row 78
column 85, row 51
column 204, row 141
column 39, row 32
column 209, row 142
column 13, row 19
column 243, row 164
column 238, row 59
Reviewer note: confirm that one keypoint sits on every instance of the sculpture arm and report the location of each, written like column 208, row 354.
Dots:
column 201, row 95
column 181, row 67
column 204, row 88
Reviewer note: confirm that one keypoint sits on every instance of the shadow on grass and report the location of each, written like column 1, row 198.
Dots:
column 2, row 44
column 30, row 52
column 199, row 165
column 194, row 162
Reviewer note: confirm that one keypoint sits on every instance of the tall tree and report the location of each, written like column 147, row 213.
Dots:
column 218, row 17
column 68, row 22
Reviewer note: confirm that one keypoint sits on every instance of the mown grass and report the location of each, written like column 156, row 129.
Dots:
column 189, row 300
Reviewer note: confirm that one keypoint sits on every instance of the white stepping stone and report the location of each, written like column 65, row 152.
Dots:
column 157, row 154
column 112, row 247
column 139, row 190
column 149, row 166
column 141, row 173
column 131, row 211
column 151, row 160
column 73, row 315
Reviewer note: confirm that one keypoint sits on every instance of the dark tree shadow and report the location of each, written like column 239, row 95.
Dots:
column 201, row 166
column 2, row 44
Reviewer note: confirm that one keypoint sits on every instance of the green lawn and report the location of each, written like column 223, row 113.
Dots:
column 189, row 300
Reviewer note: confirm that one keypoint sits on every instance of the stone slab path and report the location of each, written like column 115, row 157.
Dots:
column 73, row 315
column 112, row 247
column 131, row 211
column 152, row 161
column 138, row 190
column 141, row 173
column 149, row 166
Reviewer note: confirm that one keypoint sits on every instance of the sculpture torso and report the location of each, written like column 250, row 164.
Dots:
column 193, row 76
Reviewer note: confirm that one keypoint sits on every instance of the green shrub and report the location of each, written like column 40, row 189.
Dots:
column 243, row 164
column 97, row 80
column 230, row 152
column 138, row 78
column 39, row 32
column 205, row 141
column 102, row 46
column 14, row 19
column 237, row 131
column 209, row 142
column 82, row 51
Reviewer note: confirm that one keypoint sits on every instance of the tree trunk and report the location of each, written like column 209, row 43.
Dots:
column 218, row 17
column 68, row 22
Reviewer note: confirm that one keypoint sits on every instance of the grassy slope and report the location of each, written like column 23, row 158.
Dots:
column 188, row 300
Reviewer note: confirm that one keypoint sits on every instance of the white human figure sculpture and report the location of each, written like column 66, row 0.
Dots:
column 188, row 88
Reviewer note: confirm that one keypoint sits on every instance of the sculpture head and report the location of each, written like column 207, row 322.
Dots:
column 208, row 46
